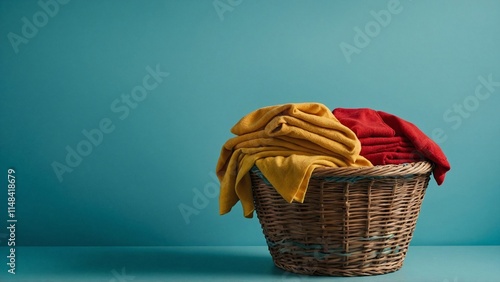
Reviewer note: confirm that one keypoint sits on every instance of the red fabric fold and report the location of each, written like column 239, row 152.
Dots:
column 404, row 146
column 371, row 125
column 403, row 143
column 377, row 140
column 394, row 157
column 426, row 146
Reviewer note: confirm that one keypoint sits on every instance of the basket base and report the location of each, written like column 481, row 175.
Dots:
column 325, row 271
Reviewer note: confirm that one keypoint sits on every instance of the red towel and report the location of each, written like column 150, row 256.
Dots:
column 371, row 123
column 394, row 157
column 381, row 148
column 426, row 146
column 403, row 146
column 376, row 140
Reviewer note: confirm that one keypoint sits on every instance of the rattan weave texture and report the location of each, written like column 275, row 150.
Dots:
column 353, row 222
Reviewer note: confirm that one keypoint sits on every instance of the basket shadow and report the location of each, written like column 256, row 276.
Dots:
column 179, row 261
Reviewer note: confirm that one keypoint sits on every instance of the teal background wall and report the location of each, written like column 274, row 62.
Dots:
column 71, row 67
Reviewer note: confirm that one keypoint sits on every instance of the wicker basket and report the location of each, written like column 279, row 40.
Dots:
column 353, row 222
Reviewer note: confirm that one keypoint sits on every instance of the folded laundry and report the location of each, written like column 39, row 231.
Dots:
column 394, row 157
column 377, row 140
column 426, row 146
column 286, row 142
column 403, row 147
column 381, row 148
column 364, row 122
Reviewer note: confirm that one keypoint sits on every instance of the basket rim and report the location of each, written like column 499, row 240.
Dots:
column 415, row 168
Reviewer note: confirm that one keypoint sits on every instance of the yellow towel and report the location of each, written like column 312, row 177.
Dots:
column 286, row 142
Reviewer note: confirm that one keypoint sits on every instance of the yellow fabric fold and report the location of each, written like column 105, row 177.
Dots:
column 286, row 142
